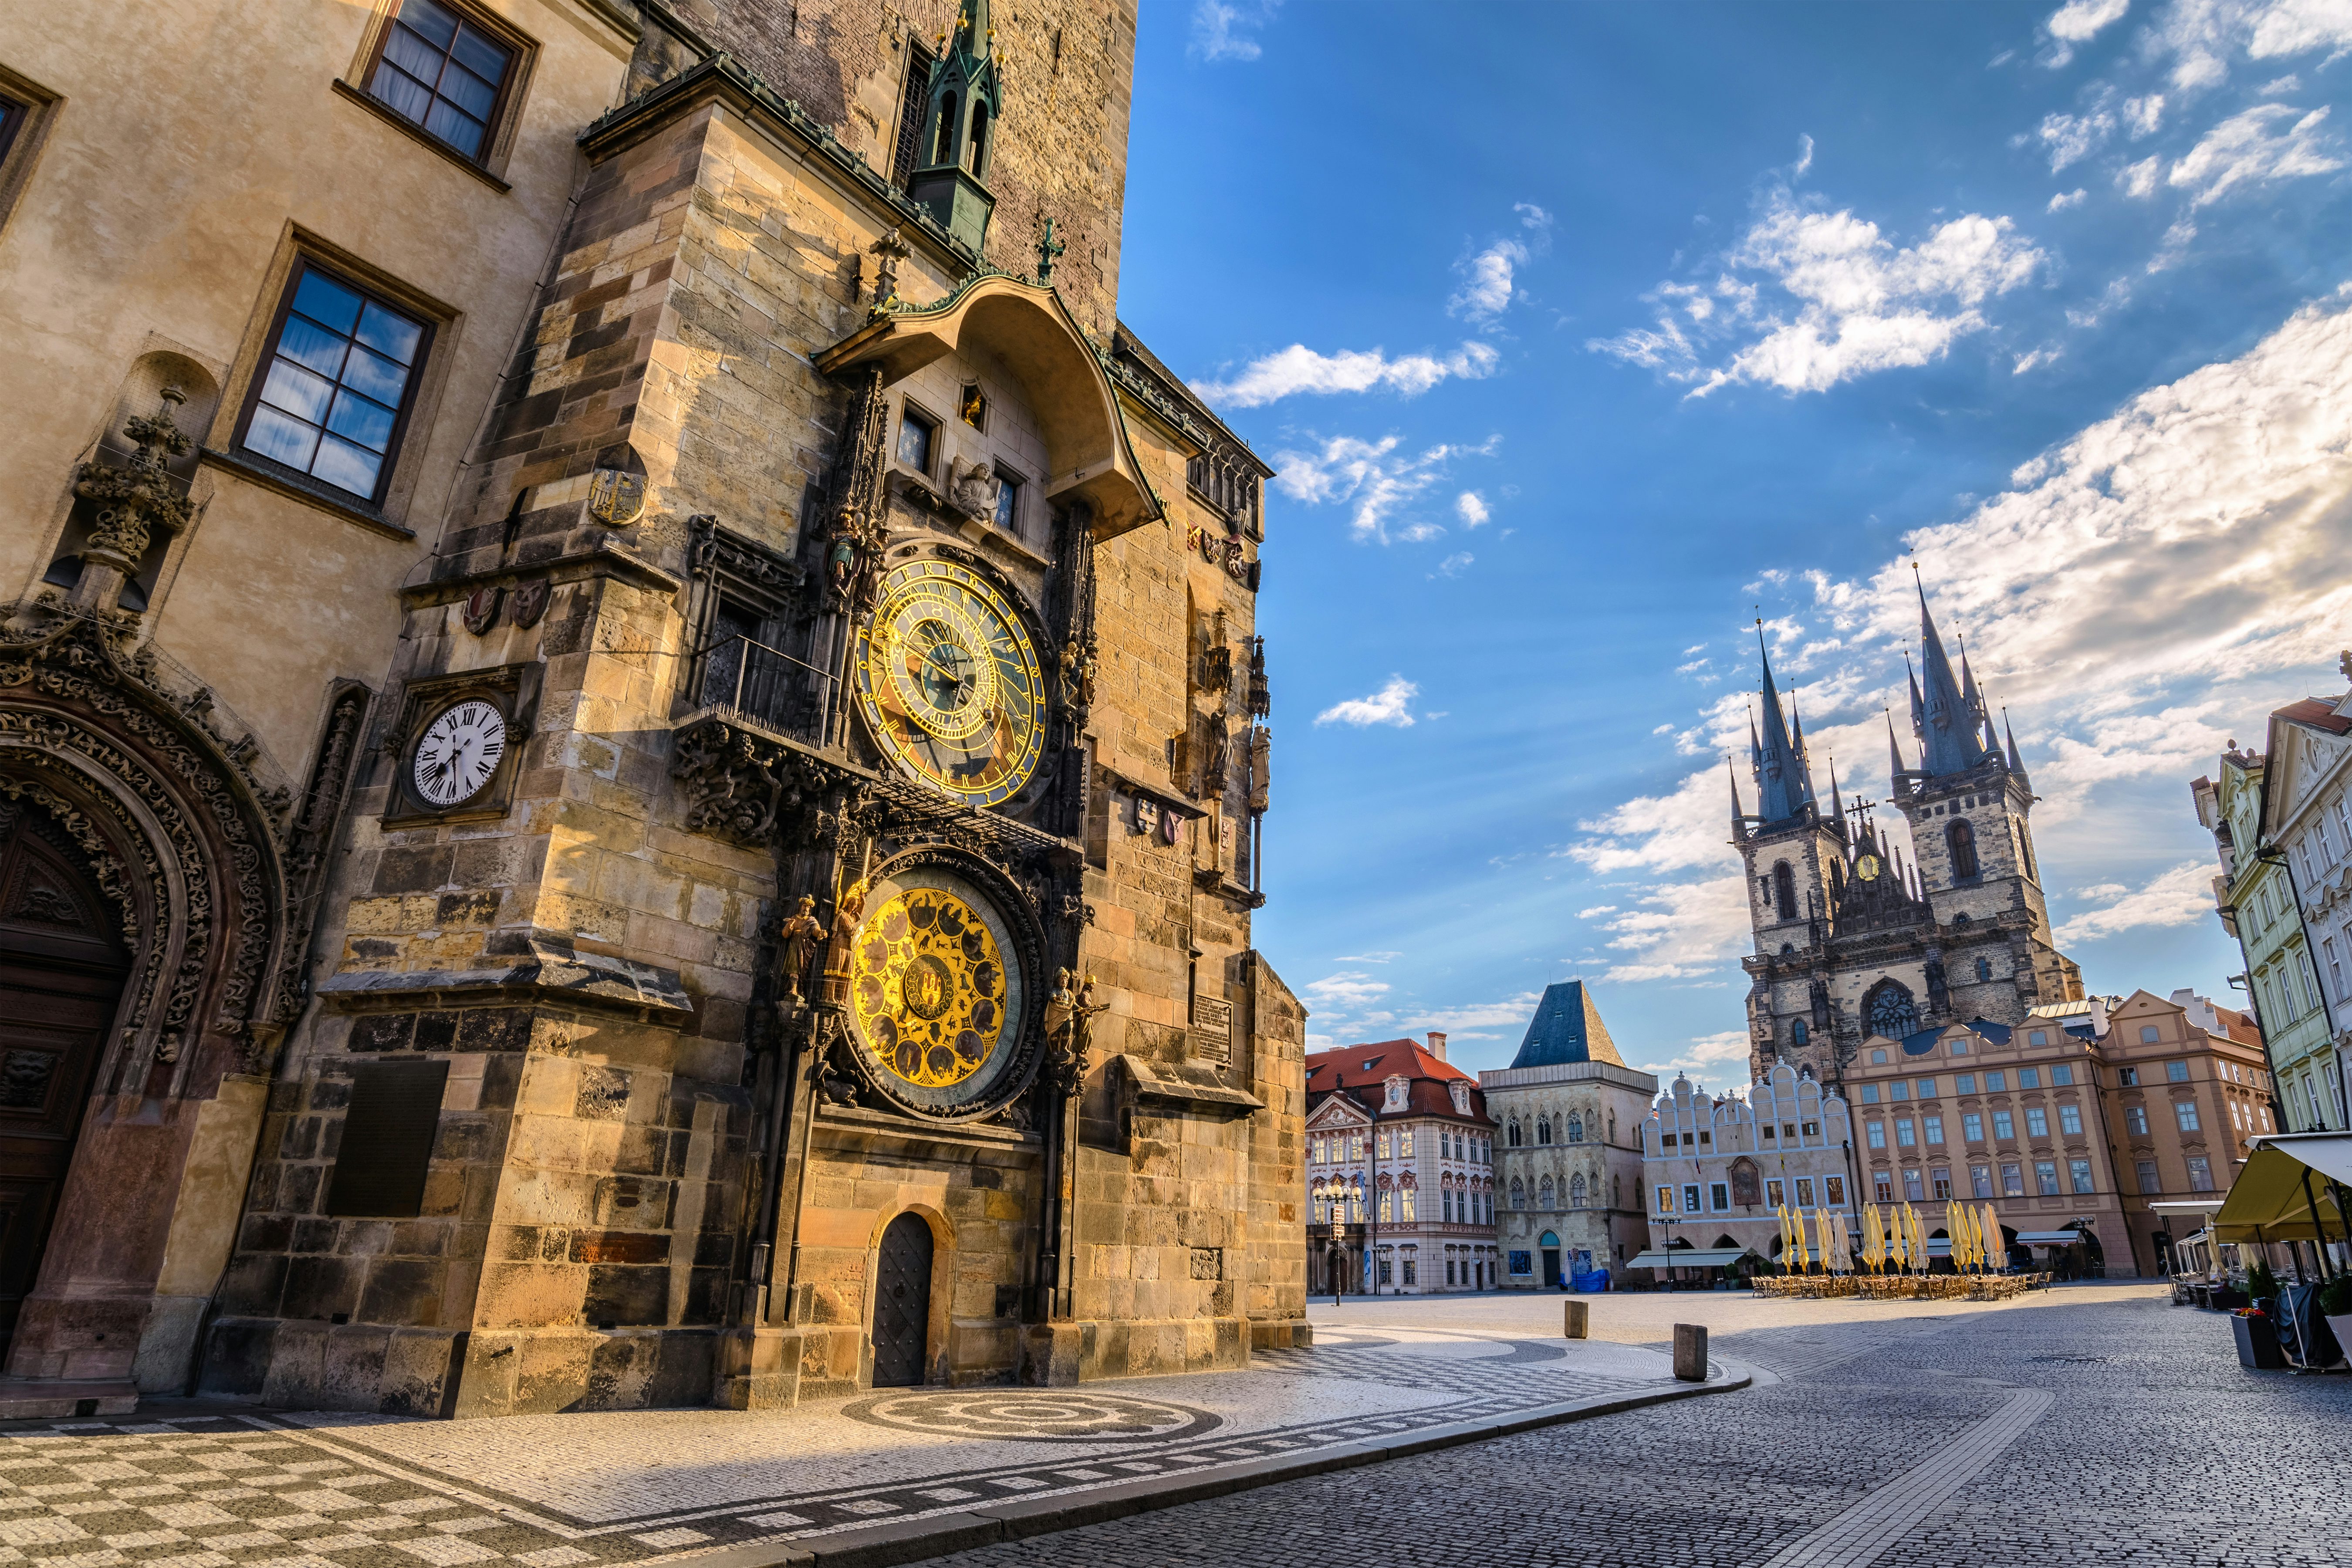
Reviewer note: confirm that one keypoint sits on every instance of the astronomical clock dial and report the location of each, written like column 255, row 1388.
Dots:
column 948, row 680
column 936, row 992
column 458, row 752
column 1868, row 868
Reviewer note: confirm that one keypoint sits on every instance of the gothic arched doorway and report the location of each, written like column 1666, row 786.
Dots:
column 902, row 1303
column 62, row 967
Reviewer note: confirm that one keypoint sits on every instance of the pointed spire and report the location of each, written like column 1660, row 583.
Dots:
column 1948, row 741
column 1919, row 709
column 1894, row 755
column 2014, row 766
column 1804, row 760
column 1779, row 779
column 1837, row 803
column 1739, row 816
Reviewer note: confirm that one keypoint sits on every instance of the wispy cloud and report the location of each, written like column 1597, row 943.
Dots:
column 1455, row 565
column 2200, row 38
column 1222, row 31
column 2065, row 199
column 2078, row 22
column 2254, row 146
column 1379, row 478
column 1809, row 297
column 2176, row 897
column 1471, row 508
column 1392, row 704
column 1298, row 369
column 1490, row 278
column 2070, row 138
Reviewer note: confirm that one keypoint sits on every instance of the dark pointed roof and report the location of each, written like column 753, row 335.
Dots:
column 1950, row 737
column 1566, row 1028
column 1780, row 777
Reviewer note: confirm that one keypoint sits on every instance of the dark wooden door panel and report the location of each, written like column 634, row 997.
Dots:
column 902, row 1303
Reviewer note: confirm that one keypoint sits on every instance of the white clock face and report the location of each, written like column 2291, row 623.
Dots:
column 459, row 753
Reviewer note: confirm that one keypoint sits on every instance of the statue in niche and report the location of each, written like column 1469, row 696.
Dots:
column 847, row 910
column 1939, row 995
column 799, row 936
column 973, row 490
column 1219, row 759
column 1077, row 675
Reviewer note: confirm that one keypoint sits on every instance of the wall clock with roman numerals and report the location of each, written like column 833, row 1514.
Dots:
column 459, row 753
column 454, row 743
column 948, row 679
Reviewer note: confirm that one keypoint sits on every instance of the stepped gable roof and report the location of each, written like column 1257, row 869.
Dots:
column 1361, row 1073
column 1566, row 1028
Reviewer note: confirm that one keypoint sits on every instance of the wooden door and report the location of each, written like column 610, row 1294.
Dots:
column 61, row 970
column 902, row 1303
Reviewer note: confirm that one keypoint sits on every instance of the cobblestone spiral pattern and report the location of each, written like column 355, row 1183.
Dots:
column 1039, row 1416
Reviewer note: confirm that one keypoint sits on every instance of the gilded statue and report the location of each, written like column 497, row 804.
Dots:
column 799, row 936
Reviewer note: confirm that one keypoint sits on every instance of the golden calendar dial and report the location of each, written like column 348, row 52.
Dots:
column 948, row 680
column 940, row 990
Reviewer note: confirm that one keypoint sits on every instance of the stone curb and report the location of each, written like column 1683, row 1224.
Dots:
column 916, row 1539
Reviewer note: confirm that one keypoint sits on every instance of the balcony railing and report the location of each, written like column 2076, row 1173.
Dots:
column 772, row 689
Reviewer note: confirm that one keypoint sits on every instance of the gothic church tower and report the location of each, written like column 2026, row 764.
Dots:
column 1852, row 944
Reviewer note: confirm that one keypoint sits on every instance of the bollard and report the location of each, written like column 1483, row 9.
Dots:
column 1690, row 1352
column 1577, row 1314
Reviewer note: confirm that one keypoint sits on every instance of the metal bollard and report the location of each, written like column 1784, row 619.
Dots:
column 1578, row 1314
column 1690, row 1352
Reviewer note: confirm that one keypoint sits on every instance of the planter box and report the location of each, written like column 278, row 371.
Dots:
column 2342, row 1329
column 2258, row 1346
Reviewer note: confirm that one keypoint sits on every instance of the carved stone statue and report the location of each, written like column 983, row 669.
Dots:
column 848, row 911
column 799, row 934
column 1214, row 774
column 973, row 490
column 1077, row 675
column 887, row 252
column 1939, row 995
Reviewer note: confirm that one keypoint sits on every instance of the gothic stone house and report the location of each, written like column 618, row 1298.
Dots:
column 552, row 781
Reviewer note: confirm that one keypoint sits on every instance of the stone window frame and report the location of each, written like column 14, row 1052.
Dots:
column 24, row 132
column 506, row 115
column 714, row 584
column 404, row 459
column 908, row 404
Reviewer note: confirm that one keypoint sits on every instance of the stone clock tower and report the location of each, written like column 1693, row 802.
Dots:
column 1856, row 943
column 794, row 933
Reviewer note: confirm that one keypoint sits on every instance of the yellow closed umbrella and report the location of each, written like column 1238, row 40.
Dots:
column 1996, row 1246
column 1898, row 1249
column 1781, row 1213
column 1964, row 1241
column 1827, row 1231
column 1874, row 1252
column 1920, row 1237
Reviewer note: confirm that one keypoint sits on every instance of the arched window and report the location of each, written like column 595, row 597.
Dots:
column 2025, row 849
column 1612, row 1127
column 1576, row 1192
column 1543, row 1129
column 1961, row 839
column 1445, row 1205
column 1984, row 969
column 1547, row 1193
column 1617, row 1192
column 1515, row 1132
column 976, row 157
column 1784, row 890
column 1801, row 1035
column 1891, row 1010
column 1575, row 1129
column 945, row 148
column 1837, row 876
column 1519, row 1195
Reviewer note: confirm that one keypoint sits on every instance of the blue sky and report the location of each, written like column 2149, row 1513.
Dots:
column 1585, row 335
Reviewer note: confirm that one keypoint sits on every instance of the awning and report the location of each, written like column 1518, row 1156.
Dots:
column 2190, row 1205
column 2048, row 1237
column 2285, row 1180
column 1694, row 1257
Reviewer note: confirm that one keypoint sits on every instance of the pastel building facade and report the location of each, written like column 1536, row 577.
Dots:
column 1717, row 1169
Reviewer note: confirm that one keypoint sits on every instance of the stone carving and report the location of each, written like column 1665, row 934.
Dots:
column 853, row 544
column 1069, row 1032
column 1078, row 670
column 1049, row 250
column 972, row 490
column 480, row 609
column 715, row 550
column 797, row 939
column 1261, row 762
column 135, row 500
column 1939, row 994
column 729, row 783
column 529, row 603
column 1216, row 757
column 311, row 839
column 887, row 252
column 1261, row 702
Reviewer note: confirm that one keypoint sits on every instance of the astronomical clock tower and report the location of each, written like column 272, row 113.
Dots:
column 793, row 934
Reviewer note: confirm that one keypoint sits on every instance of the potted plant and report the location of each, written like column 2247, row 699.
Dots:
column 2258, row 1344
column 2335, row 1306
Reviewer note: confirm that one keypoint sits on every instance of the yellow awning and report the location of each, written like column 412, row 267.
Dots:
column 2272, row 1200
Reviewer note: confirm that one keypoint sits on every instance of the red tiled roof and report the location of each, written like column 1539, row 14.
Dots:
column 2319, row 712
column 1361, row 1073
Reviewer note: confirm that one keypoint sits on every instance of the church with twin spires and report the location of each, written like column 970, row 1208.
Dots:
column 1856, row 941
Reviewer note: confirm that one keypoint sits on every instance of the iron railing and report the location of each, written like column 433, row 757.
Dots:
column 773, row 689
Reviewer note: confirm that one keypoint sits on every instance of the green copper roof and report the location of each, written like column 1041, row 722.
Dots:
column 1566, row 1028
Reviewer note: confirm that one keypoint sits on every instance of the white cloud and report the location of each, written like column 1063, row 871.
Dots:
column 1725, row 1052
column 2140, row 179
column 1532, row 216
column 1454, row 565
column 1377, row 476
column 1298, row 369
column 1386, row 955
column 2026, row 362
column 2138, row 592
column 1599, row 909
column 2249, row 147
column 2070, row 138
column 1347, row 989
column 1842, row 300
column 1471, row 508
column 1804, row 158
column 2277, row 85
column 2177, row 898
column 1219, row 31
column 2060, row 203
column 2078, row 22
column 1475, row 1020
column 2201, row 37
column 2142, row 116
column 1487, row 290
column 1390, row 705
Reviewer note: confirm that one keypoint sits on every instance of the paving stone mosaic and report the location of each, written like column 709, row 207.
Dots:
column 267, row 1489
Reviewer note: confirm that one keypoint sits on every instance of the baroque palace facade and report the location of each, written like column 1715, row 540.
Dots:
column 632, row 739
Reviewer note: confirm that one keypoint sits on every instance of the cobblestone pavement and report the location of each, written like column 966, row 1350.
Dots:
column 2153, row 1447
column 239, row 1488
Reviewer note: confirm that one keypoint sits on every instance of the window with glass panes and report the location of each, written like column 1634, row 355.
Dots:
column 444, row 72
column 334, row 383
